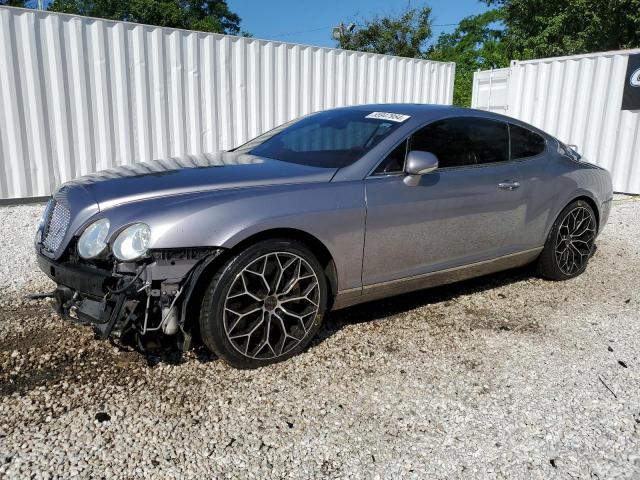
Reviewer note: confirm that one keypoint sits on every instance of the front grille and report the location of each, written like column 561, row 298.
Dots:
column 55, row 225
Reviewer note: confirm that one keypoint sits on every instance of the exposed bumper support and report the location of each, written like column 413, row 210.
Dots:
column 90, row 281
column 112, row 302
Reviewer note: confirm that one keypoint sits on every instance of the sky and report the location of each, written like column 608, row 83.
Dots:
column 310, row 22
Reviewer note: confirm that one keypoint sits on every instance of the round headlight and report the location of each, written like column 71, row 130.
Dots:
column 132, row 242
column 92, row 241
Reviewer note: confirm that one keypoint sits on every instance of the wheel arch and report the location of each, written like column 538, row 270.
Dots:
column 317, row 247
column 592, row 203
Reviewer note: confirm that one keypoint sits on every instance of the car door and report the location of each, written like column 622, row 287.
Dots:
column 463, row 212
column 537, row 194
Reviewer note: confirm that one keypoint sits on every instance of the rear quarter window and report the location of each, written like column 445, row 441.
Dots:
column 525, row 143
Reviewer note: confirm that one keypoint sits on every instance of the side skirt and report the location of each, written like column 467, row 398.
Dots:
column 354, row 296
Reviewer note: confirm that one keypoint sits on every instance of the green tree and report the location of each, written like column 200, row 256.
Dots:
column 202, row 15
column 404, row 35
column 540, row 28
column 13, row 3
column 476, row 44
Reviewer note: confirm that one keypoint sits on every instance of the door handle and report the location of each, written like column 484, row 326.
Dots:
column 509, row 185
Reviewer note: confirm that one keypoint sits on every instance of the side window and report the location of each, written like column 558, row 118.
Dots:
column 394, row 162
column 490, row 140
column 525, row 143
column 447, row 139
column 460, row 142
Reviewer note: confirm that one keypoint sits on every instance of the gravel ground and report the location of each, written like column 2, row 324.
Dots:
column 507, row 376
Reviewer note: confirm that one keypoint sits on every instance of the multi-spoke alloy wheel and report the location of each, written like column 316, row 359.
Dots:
column 570, row 243
column 271, row 305
column 574, row 240
column 264, row 304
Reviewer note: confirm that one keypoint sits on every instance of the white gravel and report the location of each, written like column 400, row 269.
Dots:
column 507, row 376
column 18, row 269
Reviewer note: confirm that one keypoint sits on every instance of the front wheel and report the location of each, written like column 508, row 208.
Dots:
column 265, row 304
column 570, row 243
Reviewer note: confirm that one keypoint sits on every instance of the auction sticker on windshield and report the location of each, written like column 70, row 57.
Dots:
column 394, row 117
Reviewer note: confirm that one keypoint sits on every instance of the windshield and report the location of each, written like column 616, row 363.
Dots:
column 331, row 139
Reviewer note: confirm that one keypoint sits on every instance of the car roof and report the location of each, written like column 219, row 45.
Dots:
column 407, row 108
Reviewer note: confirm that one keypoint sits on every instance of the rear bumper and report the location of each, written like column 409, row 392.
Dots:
column 605, row 210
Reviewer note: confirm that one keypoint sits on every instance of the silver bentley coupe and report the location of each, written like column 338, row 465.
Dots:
column 247, row 250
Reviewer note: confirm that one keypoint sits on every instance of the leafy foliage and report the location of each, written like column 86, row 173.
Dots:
column 404, row 35
column 475, row 44
column 202, row 15
column 540, row 28
column 513, row 29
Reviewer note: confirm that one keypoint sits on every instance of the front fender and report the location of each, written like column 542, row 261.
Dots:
column 334, row 213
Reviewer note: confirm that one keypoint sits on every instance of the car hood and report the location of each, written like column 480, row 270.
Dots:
column 193, row 173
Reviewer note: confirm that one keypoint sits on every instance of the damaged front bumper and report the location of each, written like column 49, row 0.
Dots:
column 148, row 296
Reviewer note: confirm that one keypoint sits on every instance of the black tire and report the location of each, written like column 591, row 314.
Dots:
column 554, row 265
column 217, row 318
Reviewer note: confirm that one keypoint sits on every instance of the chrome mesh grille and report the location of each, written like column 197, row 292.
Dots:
column 55, row 227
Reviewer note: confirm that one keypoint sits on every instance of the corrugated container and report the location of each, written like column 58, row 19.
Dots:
column 490, row 90
column 577, row 99
column 80, row 94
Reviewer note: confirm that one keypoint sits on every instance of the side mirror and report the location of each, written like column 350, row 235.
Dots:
column 419, row 163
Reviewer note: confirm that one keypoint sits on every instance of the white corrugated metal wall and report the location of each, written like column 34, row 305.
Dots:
column 79, row 94
column 577, row 99
column 490, row 90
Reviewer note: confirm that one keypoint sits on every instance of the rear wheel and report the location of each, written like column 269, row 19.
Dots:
column 570, row 243
column 265, row 304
